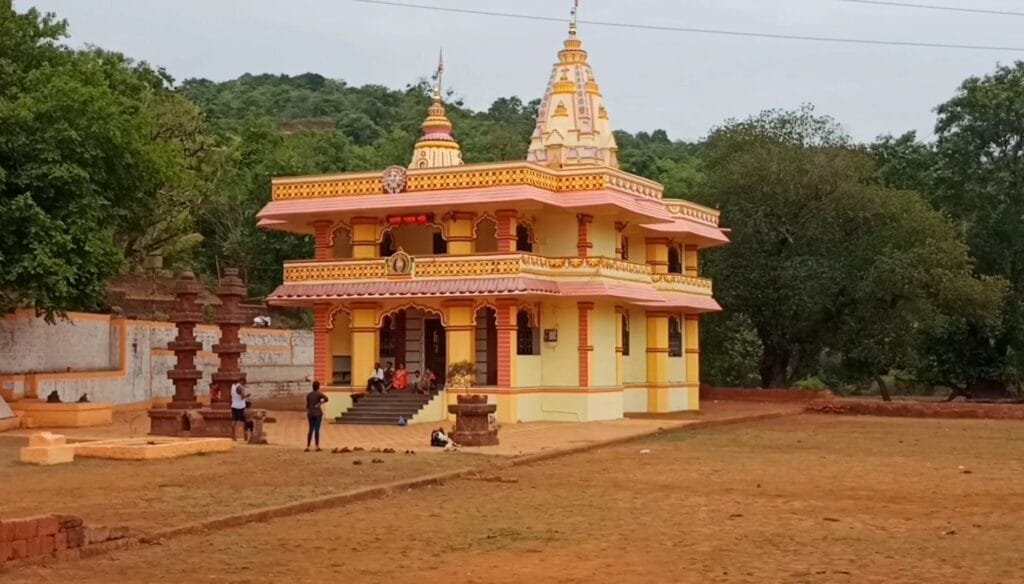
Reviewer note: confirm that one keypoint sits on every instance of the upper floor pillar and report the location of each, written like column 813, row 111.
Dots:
column 690, row 260
column 322, row 240
column 459, row 228
column 657, row 254
column 583, row 243
column 506, row 232
column 365, row 236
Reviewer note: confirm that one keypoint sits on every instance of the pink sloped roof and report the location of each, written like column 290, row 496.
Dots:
column 690, row 302
column 278, row 212
column 399, row 288
column 597, row 288
column 714, row 235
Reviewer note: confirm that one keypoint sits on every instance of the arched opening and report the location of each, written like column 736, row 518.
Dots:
column 675, row 261
column 625, row 335
column 415, row 338
column 524, row 239
column 675, row 337
column 342, row 243
column 486, row 348
column 418, row 239
column 527, row 334
column 486, row 235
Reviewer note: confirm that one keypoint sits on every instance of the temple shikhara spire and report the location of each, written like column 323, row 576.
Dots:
column 436, row 148
column 572, row 123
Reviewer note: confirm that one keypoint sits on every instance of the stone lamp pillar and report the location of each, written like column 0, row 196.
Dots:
column 230, row 348
column 173, row 420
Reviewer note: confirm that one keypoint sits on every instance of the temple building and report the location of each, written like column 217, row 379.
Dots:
column 569, row 286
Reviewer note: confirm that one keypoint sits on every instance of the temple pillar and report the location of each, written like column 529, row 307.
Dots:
column 657, row 362
column 322, row 245
column 365, row 233
column 690, row 260
column 321, row 342
column 620, row 311
column 363, row 324
column 583, row 243
column 586, row 348
column 508, row 411
column 691, row 338
column 657, row 254
column 460, row 331
column 506, row 231
column 459, row 229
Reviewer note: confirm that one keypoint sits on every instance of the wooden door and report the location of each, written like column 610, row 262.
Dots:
column 435, row 349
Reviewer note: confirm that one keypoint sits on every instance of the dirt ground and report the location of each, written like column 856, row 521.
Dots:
column 805, row 499
column 165, row 493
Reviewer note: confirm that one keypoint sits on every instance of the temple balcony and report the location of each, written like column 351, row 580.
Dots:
column 519, row 274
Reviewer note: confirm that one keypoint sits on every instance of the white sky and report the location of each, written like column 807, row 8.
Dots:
column 685, row 83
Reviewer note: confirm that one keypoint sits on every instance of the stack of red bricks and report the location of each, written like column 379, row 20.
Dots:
column 55, row 536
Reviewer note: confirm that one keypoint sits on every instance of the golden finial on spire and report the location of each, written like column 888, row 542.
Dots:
column 438, row 74
column 572, row 23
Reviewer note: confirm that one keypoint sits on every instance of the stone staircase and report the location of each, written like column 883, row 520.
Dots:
column 385, row 409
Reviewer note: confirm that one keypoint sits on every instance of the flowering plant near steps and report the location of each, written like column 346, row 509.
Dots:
column 461, row 374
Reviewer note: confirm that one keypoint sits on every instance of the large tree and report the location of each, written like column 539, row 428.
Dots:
column 824, row 260
column 78, row 163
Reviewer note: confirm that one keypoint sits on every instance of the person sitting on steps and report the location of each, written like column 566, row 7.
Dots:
column 401, row 379
column 376, row 381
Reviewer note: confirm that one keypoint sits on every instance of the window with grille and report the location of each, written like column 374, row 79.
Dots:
column 527, row 336
column 388, row 338
column 675, row 337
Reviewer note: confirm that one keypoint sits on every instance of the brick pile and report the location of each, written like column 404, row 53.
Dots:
column 61, row 537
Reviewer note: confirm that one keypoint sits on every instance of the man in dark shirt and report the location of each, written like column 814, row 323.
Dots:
column 314, row 400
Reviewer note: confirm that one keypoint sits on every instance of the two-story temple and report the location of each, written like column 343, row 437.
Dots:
column 571, row 285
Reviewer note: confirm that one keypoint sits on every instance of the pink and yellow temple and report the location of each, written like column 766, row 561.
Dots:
column 570, row 285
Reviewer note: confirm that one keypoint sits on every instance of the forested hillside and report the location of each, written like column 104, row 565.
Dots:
column 852, row 265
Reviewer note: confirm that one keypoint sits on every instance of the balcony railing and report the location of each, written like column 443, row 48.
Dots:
column 491, row 265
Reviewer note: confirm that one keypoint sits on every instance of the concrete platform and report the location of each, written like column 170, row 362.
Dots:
column 151, row 448
column 40, row 414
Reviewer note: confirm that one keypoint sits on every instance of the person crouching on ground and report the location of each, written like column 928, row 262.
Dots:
column 315, row 413
column 401, row 380
column 238, row 397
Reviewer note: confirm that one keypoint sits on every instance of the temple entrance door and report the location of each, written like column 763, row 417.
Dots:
column 435, row 353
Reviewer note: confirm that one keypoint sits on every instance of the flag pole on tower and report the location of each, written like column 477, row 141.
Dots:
column 438, row 74
column 572, row 23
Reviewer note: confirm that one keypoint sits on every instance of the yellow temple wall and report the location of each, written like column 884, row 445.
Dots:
column 634, row 399
column 556, row 234
column 560, row 360
column 677, row 369
column 529, row 371
column 602, row 338
column 602, row 236
column 341, row 336
column 637, row 248
column 635, row 364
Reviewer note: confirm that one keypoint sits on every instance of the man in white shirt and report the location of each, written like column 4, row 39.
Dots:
column 238, row 405
column 376, row 382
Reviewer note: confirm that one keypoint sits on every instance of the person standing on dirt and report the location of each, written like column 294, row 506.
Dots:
column 315, row 413
column 238, row 404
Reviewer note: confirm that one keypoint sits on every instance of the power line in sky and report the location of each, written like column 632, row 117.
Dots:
column 935, row 7
column 708, row 31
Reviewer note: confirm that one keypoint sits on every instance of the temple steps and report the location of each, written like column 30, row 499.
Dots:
column 384, row 410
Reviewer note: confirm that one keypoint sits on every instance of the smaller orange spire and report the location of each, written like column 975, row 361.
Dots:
column 437, row 147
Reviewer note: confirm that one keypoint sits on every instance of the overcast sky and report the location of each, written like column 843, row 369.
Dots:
column 683, row 82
